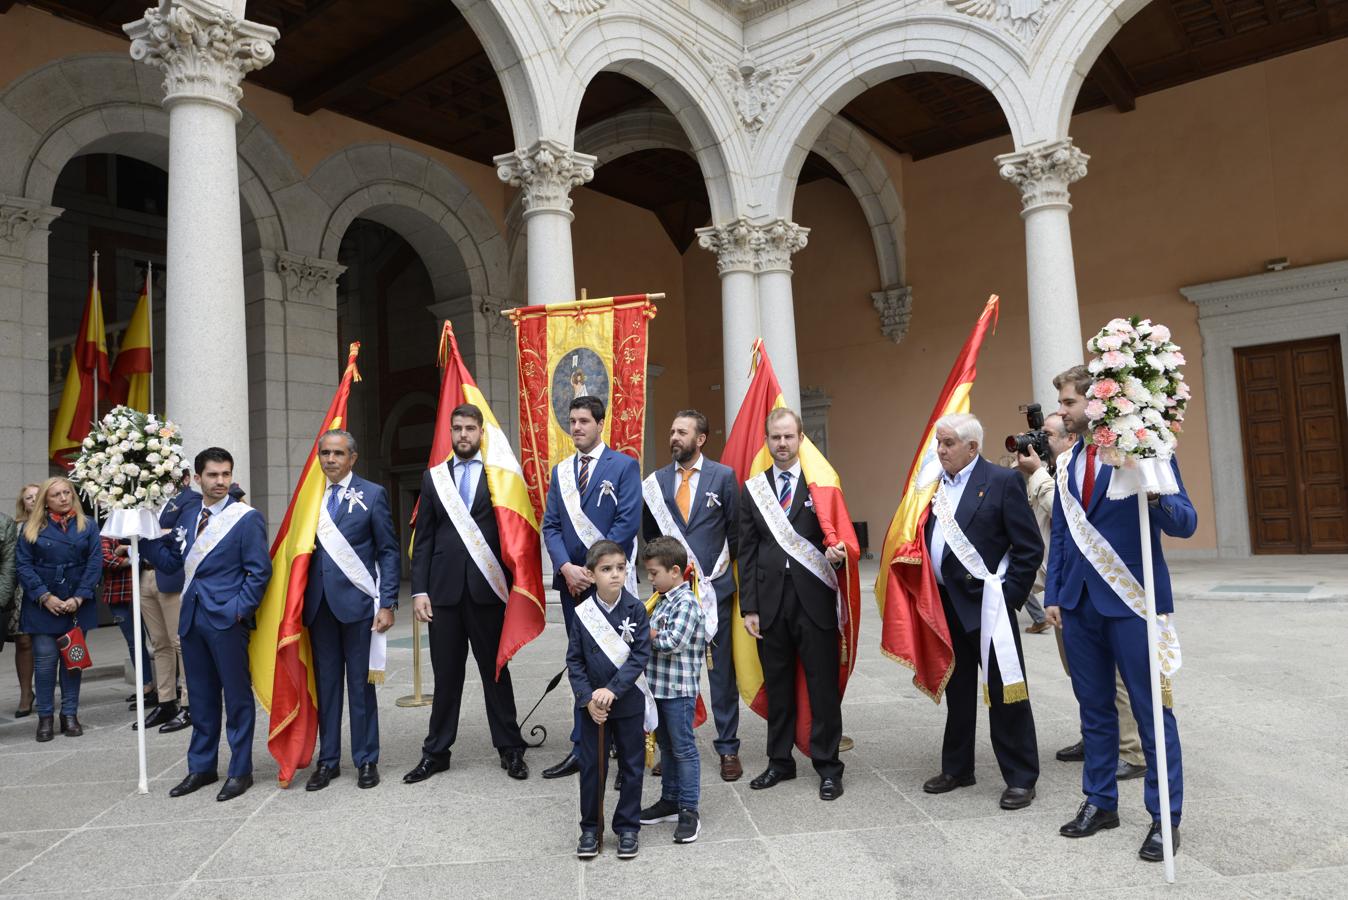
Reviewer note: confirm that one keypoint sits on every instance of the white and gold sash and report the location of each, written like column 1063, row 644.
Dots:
column 617, row 650
column 586, row 530
column 340, row 551
column 995, row 628
column 1110, row 567
column 217, row 527
column 796, row 546
column 706, row 593
column 468, row 529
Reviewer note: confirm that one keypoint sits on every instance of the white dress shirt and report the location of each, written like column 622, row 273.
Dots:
column 344, row 484
column 794, row 472
column 692, row 481
column 954, row 486
column 595, row 452
column 214, row 510
column 1079, row 471
column 474, row 473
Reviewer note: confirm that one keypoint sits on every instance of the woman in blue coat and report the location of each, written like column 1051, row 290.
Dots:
column 60, row 560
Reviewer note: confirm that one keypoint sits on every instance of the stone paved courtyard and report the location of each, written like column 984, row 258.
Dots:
column 1262, row 704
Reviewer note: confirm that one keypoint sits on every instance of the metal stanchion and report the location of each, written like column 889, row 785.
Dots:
column 416, row 698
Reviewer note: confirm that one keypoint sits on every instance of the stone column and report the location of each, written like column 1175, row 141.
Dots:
column 776, row 308
column 547, row 171
column 1043, row 175
column 204, row 51
column 735, row 245
column 24, row 383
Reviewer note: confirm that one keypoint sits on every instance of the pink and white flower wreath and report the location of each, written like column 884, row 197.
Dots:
column 1136, row 402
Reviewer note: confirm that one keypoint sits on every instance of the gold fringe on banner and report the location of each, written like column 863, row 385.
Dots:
column 1016, row 692
column 376, row 677
column 650, row 750
column 1167, row 692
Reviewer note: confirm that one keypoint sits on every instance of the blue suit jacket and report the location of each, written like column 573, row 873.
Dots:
column 229, row 583
column 1070, row 573
column 589, row 669
column 369, row 530
column 172, row 582
column 617, row 519
column 710, row 523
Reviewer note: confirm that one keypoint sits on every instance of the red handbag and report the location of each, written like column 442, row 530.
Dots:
column 74, row 651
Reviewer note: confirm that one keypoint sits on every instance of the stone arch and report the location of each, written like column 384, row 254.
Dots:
column 873, row 55
column 623, row 43
column 842, row 144
column 427, row 204
column 521, row 51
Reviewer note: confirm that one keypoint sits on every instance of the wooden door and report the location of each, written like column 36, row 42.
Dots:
column 1294, row 430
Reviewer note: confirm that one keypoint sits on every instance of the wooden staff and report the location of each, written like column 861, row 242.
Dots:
column 602, row 756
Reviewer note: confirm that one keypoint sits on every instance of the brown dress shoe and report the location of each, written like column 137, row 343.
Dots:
column 731, row 770
column 1038, row 627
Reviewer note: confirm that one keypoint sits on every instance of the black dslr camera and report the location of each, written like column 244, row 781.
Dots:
column 1035, row 439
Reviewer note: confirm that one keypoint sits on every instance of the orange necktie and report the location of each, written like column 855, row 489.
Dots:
column 683, row 498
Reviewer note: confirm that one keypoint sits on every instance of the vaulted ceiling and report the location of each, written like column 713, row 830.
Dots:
column 415, row 68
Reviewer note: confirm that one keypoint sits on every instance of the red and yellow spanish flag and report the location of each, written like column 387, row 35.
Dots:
column 515, row 518
column 88, row 370
column 746, row 452
column 131, row 372
column 569, row 350
column 279, row 654
column 913, row 629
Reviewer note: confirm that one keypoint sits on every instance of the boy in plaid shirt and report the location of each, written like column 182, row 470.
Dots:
column 679, row 645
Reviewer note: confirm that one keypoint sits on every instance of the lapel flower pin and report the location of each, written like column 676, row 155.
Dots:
column 713, row 499
column 355, row 498
column 627, row 629
column 606, row 489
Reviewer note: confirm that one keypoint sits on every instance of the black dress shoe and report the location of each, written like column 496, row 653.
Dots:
column 943, row 783
column 151, row 699
column 1153, row 848
column 830, row 788
column 194, row 781
column 513, row 762
column 428, row 766
column 368, row 777
column 234, row 786
column 321, row 777
column 70, row 726
column 162, row 713
column 1074, row 753
column 568, row 766
column 628, row 845
column 1017, row 797
column 23, row 713
column 588, row 848
column 770, row 778
column 44, row 729
column 1127, row 771
column 1090, row 819
column 178, row 722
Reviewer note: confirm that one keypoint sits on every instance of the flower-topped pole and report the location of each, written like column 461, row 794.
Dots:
column 1135, row 405
column 128, row 466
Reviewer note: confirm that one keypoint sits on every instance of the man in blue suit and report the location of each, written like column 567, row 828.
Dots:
column 1101, row 631
column 698, row 499
column 161, row 603
column 595, row 494
column 225, row 571
column 354, row 572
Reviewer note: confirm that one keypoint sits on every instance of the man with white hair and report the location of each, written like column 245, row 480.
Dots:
column 985, row 549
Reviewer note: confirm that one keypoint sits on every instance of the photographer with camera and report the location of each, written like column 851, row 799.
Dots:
column 1036, row 452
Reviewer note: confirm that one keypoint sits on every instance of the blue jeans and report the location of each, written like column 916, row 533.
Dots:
column 127, row 622
column 46, row 666
column 681, row 781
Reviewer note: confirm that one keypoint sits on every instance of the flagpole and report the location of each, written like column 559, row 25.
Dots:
column 92, row 293
column 149, row 321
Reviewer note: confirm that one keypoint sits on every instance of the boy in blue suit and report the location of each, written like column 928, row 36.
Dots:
column 1100, row 630
column 226, row 568
column 359, row 556
column 604, row 491
column 610, row 692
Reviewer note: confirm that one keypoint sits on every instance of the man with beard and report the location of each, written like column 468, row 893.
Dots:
column 456, row 530
column 594, row 495
column 695, row 501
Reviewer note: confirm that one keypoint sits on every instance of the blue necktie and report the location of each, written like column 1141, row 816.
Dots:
column 464, row 471
column 784, row 496
column 333, row 500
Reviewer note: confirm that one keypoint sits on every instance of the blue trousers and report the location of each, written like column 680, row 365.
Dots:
column 342, row 664
column 127, row 622
column 217, row 666
column 1095, row 644
column 628, row 735
column 681, row 779
column 48, row 668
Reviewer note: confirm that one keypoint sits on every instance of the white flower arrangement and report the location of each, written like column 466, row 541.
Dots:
column 1136, row 401
column 130, row 460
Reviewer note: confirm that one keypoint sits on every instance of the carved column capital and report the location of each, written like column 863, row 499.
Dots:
column 203, row 50
column 1044, row 174
column 744, row 246
column 895, row 306
column 781, row 241
column 304, row 276
column 20, row 217
column 546, row 172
